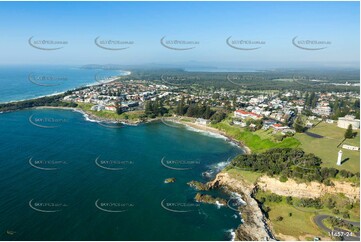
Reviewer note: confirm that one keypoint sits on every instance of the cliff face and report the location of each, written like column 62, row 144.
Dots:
column 254, row 227
column 307, row 190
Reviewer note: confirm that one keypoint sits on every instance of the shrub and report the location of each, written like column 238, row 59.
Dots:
column 283, row 179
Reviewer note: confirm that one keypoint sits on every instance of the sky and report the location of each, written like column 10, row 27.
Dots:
column 207, row 24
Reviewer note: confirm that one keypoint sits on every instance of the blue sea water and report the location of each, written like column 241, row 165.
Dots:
column 65, row 178
column 26, row 82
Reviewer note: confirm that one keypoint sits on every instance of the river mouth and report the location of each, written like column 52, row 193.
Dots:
column 78, row 180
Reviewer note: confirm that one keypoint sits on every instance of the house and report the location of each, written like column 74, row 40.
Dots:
column 245, row 114
column 329, row 121
column 97, row 108
column 350, row 147
column 344, row 122
column 110, row 108
column 202, row 121
column 279, row 126
column 288, row 130
column 240, row 123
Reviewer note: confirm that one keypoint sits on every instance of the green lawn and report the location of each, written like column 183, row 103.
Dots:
column 257, row 142
column 326, row 147
column 132, row 115
column 300, row 224
column 248, row 176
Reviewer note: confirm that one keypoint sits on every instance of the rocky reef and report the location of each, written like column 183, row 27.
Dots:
column 205, row 198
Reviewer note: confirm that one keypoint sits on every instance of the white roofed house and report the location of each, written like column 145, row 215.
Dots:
column 344, row 122
column 110, row 108
column 202, row 121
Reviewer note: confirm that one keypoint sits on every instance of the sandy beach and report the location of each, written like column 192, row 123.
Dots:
column 209, row 129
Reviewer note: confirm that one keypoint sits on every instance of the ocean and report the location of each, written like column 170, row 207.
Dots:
column 63, row 177
column 26, row 82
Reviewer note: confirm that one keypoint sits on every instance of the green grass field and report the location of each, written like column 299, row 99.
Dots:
column 249, row 176
column 299, row 225
column 132, row 115
column 257, row 142
column 326, row 147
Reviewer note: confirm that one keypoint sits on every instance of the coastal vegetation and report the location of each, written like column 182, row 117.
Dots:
column 291, row 216
column 290, row 163
column 259, row 80
column 257, row 141
column 53, row 101
column 332, row 223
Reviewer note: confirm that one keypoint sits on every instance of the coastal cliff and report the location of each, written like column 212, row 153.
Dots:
column 254, row 227
column 307, row 190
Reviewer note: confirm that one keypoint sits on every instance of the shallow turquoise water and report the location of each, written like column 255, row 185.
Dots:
column 55, row 199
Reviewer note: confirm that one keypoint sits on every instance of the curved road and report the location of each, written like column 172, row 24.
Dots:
column 319, row 218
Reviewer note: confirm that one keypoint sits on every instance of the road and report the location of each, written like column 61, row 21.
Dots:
column 319, row 218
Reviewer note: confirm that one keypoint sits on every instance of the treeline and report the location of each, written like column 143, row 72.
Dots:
column 344, row 106
column 311, row 100
column 194, row 110
column 199, row 110
column 260, row 80
column 155, row 108
column 289, row 163
column 54, row 101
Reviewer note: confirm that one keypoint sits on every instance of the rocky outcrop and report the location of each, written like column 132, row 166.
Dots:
column 307, row 190
column 198, row 185
column 170, row 180
column 254, row 226
column 205, row 198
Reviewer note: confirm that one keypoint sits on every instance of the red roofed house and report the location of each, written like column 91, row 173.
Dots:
column 279, row 126
column 244, row 114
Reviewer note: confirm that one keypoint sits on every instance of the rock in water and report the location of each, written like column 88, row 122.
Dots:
column 170, row 180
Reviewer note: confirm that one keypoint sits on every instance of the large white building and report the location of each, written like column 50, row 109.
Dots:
column 344, row 122
column 244, row 114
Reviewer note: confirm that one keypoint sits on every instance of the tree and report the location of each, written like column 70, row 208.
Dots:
column 279, row 218
column 207, row 113
column 298, row 125
column 118, row 108
column 349, row 133
column 218, row 117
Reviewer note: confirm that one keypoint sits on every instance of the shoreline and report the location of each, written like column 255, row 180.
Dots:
column 96, row 83
column 255, row 226
column 88, row 116
column 208, row 129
